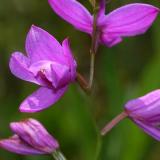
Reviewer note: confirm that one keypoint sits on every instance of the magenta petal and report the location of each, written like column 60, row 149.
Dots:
column 68, row 53
column 56, row 73
column 129, row 20
column 110, row 41
column 73, row 12
column 40, row 45
column 101, row 12
column 145, row 112
column 60, row 75
column 32, row 132
column 16, row 145
column 19, row 65
column 149, row 129
column 41, row 99
column 43, row 66
column 147, row 106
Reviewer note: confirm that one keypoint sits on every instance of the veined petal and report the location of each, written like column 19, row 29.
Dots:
column 149, row 129
column 71, row 61
column 41, row 99
column 19, row 65
column 32, row 132
column 145, row 112
column 129, row 20
column 74, row 13
column 145, row 107
column 16, row 145
column 40, row 45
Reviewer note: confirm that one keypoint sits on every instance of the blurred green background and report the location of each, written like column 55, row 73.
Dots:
column 123, row 72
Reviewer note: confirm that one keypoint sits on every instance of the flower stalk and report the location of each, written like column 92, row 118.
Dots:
column 94, row 45
column 113, row 123
column 93, row 2
column 57, row 155
column 82, row 82
column 87, row 86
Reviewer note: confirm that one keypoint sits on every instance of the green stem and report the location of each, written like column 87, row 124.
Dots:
column 98, row 145
column 94, row 45
column 87, row 86
column 92, row 2
column 82, row 82
column 57, row 155
column 92, row 66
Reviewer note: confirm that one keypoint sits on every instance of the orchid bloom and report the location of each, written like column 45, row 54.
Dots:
column 48, row 64
column 129, row 20
column 30, row 138
column 145, row 112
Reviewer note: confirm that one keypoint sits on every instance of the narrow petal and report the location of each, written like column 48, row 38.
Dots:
column 71, row 61
column 129, row 20
column 19, row 65
column 40, row 45
column 73, row 12
column 149, row 129
column 32, row 132
column 41, row 99
column 101, row 12
column 16, row 145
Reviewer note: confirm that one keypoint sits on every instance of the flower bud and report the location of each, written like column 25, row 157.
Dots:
column 145, row 112
column 30, row 138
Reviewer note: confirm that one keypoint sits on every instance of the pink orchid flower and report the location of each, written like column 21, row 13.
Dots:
column 126, row 21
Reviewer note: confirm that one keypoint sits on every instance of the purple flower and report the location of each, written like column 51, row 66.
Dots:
column 47, row 64
column 129, row 20
column 30, row 138
column 145, row 112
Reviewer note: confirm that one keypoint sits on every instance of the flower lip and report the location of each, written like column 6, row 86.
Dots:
column 51, row 74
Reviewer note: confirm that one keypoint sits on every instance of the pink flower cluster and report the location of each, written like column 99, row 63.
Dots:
column 52, row 66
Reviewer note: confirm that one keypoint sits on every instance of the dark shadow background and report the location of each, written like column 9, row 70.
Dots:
column 123, row 72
